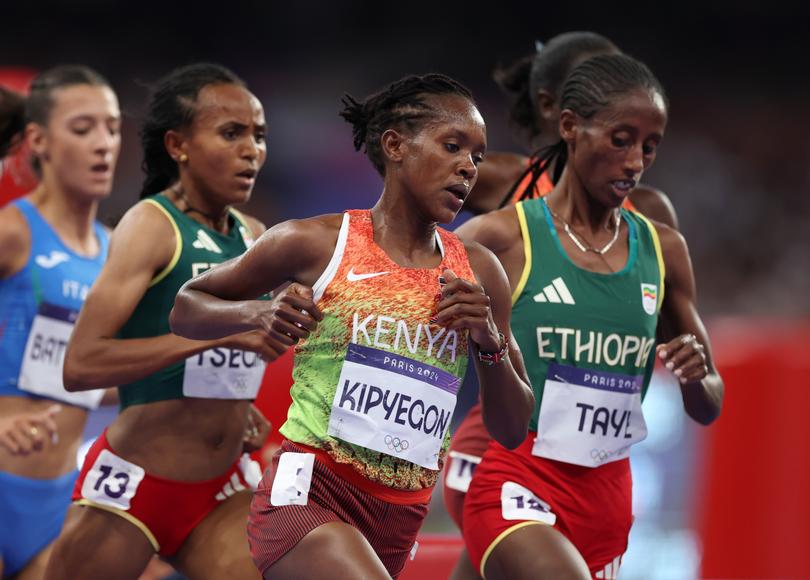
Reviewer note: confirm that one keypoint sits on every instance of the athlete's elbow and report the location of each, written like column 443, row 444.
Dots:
column 705, row 417
column 515, row 432
column 178, row 317
column 75, row 377
column 507, row 408
column 512, row 437
column 509, row 442
column 704, row 408
column 176, row 321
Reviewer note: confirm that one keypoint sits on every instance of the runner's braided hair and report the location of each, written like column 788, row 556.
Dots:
column 592, row 85
column 399, row 106
column 16, row 111
column 172, row 107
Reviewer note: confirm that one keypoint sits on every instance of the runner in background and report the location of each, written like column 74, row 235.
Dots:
column 51, row 251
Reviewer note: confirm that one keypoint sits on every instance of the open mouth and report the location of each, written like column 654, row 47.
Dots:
column 248, row 174
column 100, row 168
column 460, row 190
column 624, row 185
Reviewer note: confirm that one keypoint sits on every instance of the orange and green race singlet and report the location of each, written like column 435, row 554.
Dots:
column 375, row 385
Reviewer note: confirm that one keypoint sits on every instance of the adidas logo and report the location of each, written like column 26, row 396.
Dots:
column 231, row 487
column 204, row 242
column 556, row 292
column 611, row 571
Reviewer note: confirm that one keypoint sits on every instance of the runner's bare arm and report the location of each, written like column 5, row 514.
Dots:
column 688, row 351
column 223, row 300
column 499, row 232
column 484, row 309
column 15, row 241
column 141, row 246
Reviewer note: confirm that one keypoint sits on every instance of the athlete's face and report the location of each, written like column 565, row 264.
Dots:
column 440, row 165
column 78, row 148
column 610, row 151
column 225, row 144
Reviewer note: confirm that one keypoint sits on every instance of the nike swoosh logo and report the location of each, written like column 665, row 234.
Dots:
column 54, row 259
column 352, row 277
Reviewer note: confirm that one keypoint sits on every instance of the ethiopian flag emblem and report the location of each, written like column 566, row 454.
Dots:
column 649, row 298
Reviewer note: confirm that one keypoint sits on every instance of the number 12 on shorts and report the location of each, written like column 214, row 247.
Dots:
column 518, row 503
column 112, row 481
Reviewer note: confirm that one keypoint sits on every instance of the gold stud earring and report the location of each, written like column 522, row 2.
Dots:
column 183, row 158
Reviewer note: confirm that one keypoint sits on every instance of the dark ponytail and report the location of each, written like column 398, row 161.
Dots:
column 172, row 107
column 541, row 161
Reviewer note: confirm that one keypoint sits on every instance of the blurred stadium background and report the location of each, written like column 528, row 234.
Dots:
column 731, row 501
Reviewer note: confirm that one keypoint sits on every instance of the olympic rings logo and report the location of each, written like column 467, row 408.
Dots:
column 599, row 455
column 396, row 444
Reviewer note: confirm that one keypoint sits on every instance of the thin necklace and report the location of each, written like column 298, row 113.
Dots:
column 589, row 247
column 215, row 220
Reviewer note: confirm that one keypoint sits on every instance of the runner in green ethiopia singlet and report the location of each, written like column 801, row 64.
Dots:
column 587, row 340
column 219, row 373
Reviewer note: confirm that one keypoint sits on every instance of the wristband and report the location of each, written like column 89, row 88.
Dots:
column 493, row 358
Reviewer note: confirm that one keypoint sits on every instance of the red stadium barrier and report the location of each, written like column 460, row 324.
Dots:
column 755, row 516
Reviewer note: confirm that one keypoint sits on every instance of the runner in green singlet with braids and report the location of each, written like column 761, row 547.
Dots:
column 591, row 284
column 166, row 476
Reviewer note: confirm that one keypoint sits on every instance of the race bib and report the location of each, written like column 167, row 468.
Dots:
column 589, row 417
column 44, row 357
column 519, row 503
column 292, row 479
column 112, row 481
column 460, row 468
column 223, row 373
column 393, row 404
